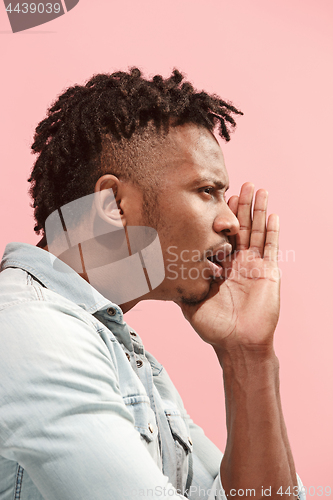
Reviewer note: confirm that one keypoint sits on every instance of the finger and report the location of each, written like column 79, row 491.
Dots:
column 272, row 238
column 258, row 233
column 233, row 204
column 244, row 216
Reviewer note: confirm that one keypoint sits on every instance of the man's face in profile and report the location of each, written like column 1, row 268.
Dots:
column 194, row 218
column 188, row 211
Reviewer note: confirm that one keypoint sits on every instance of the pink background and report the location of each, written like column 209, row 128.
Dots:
column 273, row 59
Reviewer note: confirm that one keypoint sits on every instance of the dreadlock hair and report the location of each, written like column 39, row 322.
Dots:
column 112, row 125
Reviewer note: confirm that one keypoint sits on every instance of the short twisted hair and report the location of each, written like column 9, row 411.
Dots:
column 101, row 127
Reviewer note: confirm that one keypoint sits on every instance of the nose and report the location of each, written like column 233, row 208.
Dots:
column 226, row 221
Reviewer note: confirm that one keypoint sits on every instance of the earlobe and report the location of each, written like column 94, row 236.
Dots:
column 108, row 201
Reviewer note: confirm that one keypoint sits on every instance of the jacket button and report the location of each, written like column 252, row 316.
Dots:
column 150, row 427
column 139, row 363
column 128, row 356
column 111, row 311
column 190, row 441
column 133, row 333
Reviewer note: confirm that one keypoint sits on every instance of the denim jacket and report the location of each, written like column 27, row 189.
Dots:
column 86, row 413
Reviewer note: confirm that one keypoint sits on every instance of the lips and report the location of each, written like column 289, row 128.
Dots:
column 216, row 269
column 215, row 258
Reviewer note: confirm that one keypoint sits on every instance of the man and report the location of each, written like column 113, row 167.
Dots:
column 86, row 413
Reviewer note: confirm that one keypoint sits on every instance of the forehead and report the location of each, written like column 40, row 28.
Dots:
column 195, row 154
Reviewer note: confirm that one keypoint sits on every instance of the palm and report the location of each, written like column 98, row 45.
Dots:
column 244, row 307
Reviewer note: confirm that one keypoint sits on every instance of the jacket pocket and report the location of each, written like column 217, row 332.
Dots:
column 179, row 429
column 144, row 417
column 183, row 448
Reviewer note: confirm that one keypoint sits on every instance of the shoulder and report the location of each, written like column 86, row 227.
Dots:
column 41, row 331
column 26, row 301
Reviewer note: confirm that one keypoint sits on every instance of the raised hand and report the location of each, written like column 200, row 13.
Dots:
column 243, row 307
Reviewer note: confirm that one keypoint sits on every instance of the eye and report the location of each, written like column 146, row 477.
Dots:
column 207, row 189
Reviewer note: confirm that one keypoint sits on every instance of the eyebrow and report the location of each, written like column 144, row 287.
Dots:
column 210, row 180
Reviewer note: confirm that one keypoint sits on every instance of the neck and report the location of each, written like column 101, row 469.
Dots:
column 124, row 307
column 129, row 305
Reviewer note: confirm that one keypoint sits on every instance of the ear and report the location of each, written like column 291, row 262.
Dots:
column 108, row 199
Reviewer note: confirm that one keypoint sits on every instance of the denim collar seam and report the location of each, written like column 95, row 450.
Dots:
column 26, row 267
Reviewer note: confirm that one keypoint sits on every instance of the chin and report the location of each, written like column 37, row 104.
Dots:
column 195, row 294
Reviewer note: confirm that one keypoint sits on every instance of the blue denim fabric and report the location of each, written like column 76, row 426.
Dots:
column 86, row 412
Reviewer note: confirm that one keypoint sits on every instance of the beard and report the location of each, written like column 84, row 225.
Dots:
column 193, row 299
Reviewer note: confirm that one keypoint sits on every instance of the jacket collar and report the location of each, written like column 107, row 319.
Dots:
column 57, row 276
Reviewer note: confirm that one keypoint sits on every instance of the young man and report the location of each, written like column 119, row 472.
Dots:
column 86, row 412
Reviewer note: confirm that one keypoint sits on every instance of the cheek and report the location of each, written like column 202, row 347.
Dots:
column 186, row 220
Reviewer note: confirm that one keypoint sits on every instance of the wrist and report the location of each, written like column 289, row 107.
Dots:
column 246, row 356
column 251, row 381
